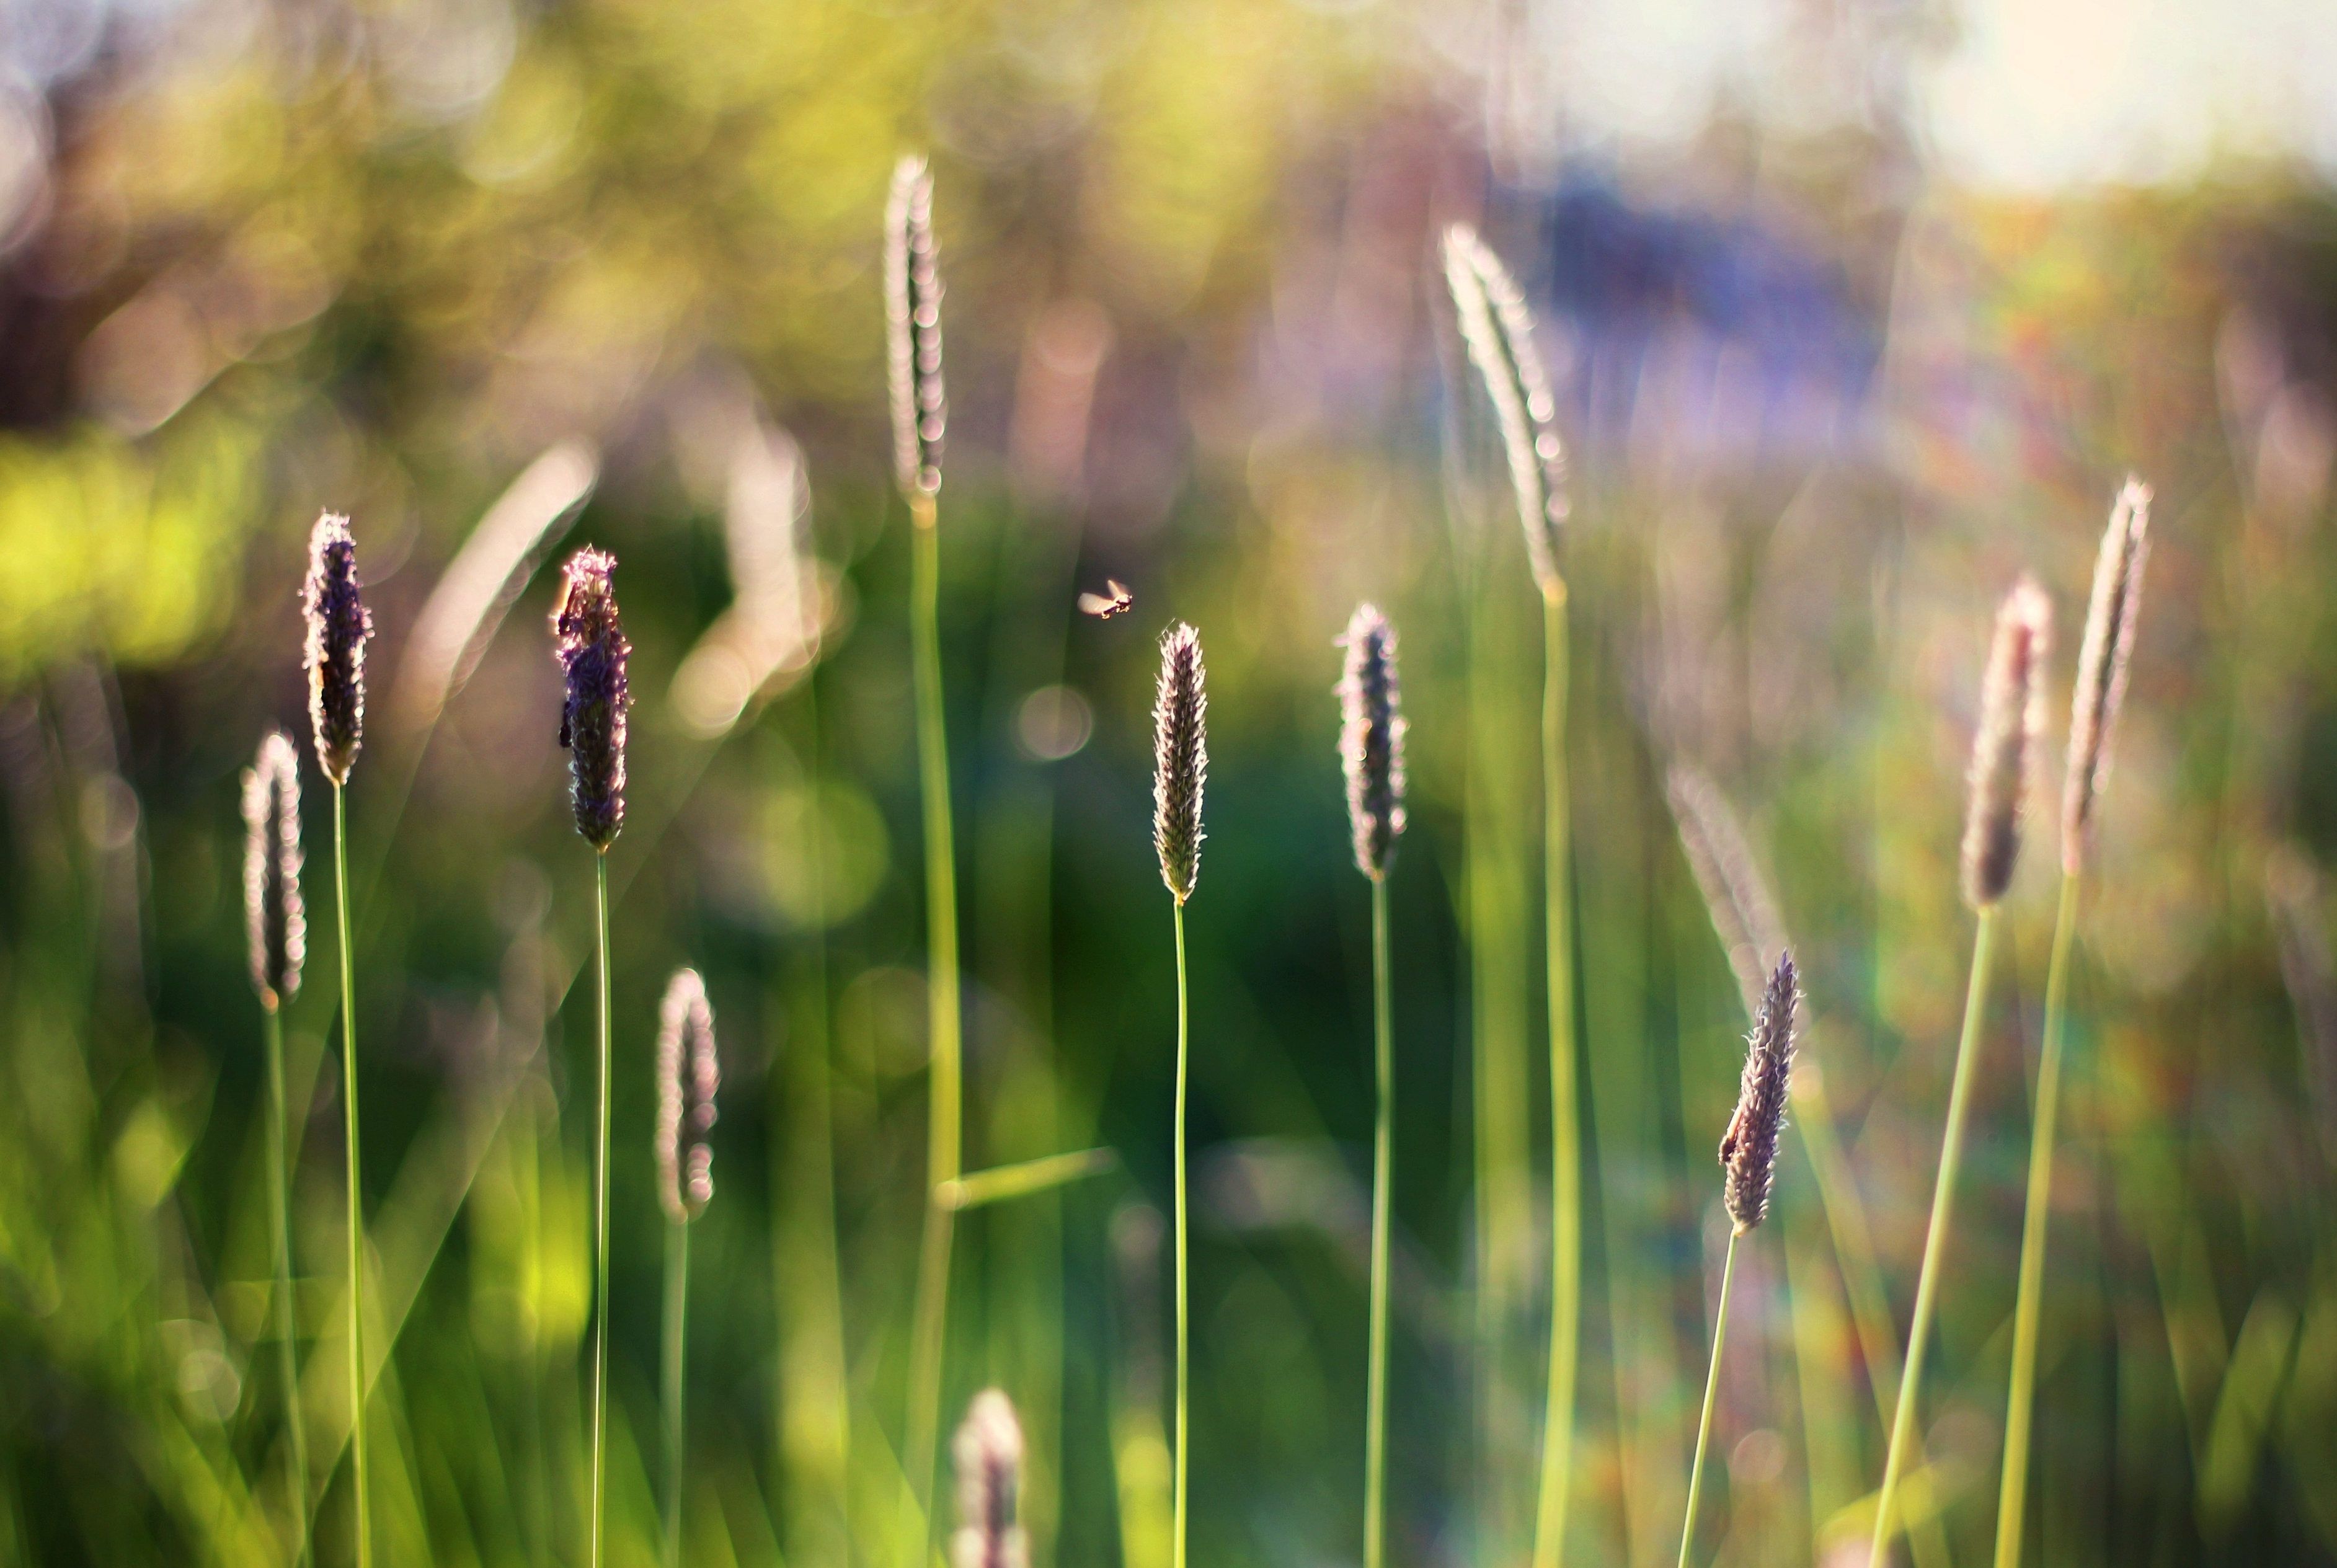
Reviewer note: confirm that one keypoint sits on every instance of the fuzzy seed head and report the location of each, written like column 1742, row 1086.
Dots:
column 589, row 640
column 988, row 1451
column 913, row 321
column 689, row 1073
column 334, row 655
column 2004, row 750
column 2102, row 660
column 1371, row 739
column 1497, row 328
column 1180, row 759
column 273, row 917
column 1748, row 1152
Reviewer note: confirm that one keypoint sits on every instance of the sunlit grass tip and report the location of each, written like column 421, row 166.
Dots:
column 1748, row 1152
column 1371, row 739
column 913, row 322
column 1498, row 329
column 2103, row 657
column 988, row 1451
column 1180, row 759
column 1736, row 895
column 274, row 920
column 589, row 639
column 2005, row 746
column 339, row 626
column 688, row 1072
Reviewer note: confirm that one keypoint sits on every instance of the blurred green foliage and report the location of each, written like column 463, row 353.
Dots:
column 379, row 258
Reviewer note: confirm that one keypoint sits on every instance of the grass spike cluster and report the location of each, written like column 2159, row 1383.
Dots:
column 2103, row 656
column 1498, row 330
column 2005, row 748
column 988, row 1452
column 913, row 321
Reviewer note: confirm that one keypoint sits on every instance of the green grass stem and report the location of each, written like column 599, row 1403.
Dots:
column 1383, row 1155
column 1711, row 1394
column 287, row 1317
column 931, row 1323
column 675, row 1368
column 357, row 1207
column 1184, row 1304
column 2022, row 1403
column 1565, row 1152
column 1935, row 1240
column 600, row 1211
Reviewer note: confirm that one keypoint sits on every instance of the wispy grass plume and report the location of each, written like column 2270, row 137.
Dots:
column 989, row 1455
column 688, row 1072
column 1180, row 769
column 338, row 627
column 1498, row 329
column 589, row 639
column 277, row 929
column 2103, row 656
column 1752, row 933
column 913, row 318
column 2011, row 721
column 1371, row 753
column 1748, row 1156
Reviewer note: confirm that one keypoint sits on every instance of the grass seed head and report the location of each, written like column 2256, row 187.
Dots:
column 273, row 917
column 1371, row 739
column 2102, row 660
column 339, row 629
column 589, row 639
column 2012, row 728
column 1498, row 329
column 1180, row 759
column 688, row 1072
column 988, row 1451
column 913, row 321
column 1749, row 1150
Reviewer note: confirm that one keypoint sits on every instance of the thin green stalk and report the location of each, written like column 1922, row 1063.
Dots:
column 1711, row 1392
column 677, row 1345
column 1566, row 1154
column 600, row 1211
column 1935, row 1240
column 931, row 1320
column 1177, row 1527
column 1382, row 1152
column 2013, row 1494
column 287, row 1318
column 356, row 1210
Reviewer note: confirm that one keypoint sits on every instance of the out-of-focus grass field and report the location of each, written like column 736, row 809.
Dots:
column 1823, row 405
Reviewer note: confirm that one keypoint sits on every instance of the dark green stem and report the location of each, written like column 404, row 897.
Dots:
column 1184, row 1304
column 357, row 1210
column 601, row 1207
column 1382, row 1143
column 1935, row 1242
column 2012, row 1498
column 288, row 1316
column 931, row 1324
column 1565, row 1152
column 675, row 1368
column 1711, row 1392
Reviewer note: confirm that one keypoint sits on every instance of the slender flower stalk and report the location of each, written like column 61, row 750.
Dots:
column 988, row 1452
column 1370, row 752
column 2102, row 660
column 689, row 1073
column 589, row 640
column 1498, row 329
column 277, row 927
column 912, row 296
column 338, row 627
column 1181, row 770
column 2012, row 725
column 1748, row 1154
